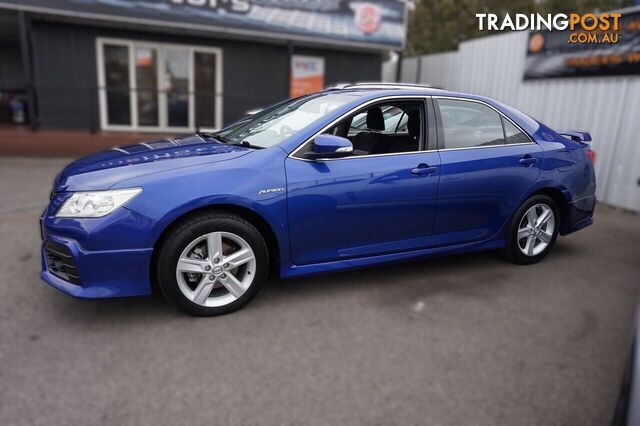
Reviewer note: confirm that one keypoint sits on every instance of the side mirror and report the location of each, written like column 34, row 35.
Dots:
column 330, row 146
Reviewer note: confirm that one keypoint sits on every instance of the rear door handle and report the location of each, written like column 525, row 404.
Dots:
column 423, row 169
column 528, row 160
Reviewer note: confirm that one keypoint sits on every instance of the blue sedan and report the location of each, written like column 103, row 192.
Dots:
column 349, row 177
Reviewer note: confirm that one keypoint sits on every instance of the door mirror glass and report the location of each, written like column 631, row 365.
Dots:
column 330, row 146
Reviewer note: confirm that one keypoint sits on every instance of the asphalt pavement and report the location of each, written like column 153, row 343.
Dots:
column 463, row 340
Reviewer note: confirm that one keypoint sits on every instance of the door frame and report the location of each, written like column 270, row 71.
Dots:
column 430, row 133
column 162, row 95
column 440, row 128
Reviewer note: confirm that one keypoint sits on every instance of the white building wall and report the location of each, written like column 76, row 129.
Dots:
column 607, row 107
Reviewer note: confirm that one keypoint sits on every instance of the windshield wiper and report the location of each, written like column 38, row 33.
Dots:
column 215, row 135
column 218, row 136
column 249, row 145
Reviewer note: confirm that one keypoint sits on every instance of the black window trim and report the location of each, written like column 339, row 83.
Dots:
column 430, row 136
column 439, row 127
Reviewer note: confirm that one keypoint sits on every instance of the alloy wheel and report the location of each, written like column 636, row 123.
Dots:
column 216, row 269
column 536, row 228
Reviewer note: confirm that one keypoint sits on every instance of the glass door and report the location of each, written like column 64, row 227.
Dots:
column 159, row 87
column 147, row 86
column 117, row 89
column 177, row 81
column 205, row 89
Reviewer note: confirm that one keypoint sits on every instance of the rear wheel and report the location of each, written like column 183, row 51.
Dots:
column 533, row 230
column 212, row 264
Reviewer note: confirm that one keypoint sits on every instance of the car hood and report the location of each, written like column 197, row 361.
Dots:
column 107, row 168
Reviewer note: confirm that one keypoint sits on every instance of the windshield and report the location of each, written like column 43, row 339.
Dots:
column 275, row 124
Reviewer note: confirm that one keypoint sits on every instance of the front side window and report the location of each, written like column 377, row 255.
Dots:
column 469, row 124
column 393, row 117
column 274, row 125
column 384, row 128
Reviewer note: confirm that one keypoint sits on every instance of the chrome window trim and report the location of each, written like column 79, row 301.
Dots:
column 487, row 146
column 411, row 97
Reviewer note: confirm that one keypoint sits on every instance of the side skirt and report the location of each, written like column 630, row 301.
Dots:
column 291, row 271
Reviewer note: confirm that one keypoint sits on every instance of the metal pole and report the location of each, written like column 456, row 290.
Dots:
column 289, row 70
column 24, row 24
column 399, row 67
column 93, row 105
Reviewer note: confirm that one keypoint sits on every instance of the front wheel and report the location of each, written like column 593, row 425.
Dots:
column 533, row 230
column 212, row 264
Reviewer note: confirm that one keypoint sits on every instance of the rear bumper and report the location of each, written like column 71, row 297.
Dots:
column 579, row 214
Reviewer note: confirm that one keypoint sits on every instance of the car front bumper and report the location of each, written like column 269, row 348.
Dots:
column 98, row 257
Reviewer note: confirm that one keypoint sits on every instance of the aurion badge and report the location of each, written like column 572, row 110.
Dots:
column 270, row 190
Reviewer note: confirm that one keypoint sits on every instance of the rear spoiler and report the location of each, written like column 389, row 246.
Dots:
column 576, row 135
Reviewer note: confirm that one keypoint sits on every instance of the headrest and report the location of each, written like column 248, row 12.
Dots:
column 375, row 119
column 413, row 123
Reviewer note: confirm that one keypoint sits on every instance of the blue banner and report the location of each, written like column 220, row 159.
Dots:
column 371, row 23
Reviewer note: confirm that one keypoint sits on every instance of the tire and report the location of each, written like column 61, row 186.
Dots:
column 201, row 284
column 526, row 245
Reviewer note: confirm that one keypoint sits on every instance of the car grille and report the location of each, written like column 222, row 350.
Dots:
column 60, row 262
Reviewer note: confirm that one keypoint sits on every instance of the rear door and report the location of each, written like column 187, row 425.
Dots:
column 366, row 204
column 488, row 164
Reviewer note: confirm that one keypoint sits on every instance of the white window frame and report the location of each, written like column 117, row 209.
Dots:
column 162, row 96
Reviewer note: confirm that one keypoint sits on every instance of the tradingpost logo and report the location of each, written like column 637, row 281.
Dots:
column 584, row 28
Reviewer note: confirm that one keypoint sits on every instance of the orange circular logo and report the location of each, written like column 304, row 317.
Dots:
column 536, row 43
column 368, row 18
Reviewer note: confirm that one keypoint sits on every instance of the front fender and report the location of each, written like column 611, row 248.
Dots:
column 243, row 182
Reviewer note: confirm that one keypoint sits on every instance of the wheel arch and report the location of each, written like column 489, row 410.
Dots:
column 561, row 200
column 257, row 220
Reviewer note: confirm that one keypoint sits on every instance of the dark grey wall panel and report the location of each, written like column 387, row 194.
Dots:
column 347, row 67
column 11, row 73
column 65, row 76
column 255, row 74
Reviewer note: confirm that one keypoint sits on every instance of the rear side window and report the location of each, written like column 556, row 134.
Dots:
column 471, row 124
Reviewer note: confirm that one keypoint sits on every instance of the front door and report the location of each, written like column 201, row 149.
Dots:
column 367, row 204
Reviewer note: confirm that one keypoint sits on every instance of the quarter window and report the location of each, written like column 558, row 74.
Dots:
column 469, row 124
column 513, row 134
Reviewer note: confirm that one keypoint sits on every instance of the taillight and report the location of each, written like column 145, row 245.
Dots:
column 592, row 156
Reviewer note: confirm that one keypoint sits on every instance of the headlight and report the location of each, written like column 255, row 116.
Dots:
column 96, row 204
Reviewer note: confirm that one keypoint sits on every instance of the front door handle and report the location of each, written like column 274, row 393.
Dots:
column 527, row 159
column 424, row 169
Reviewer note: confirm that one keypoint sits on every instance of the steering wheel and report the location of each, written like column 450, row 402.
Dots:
column 286, row 131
